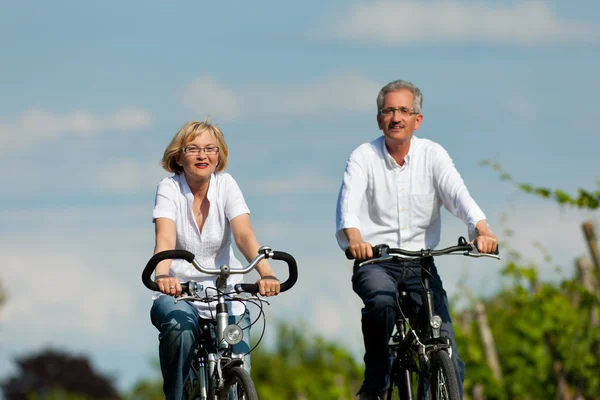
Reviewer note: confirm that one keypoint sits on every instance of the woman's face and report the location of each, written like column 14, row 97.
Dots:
column 200, row 156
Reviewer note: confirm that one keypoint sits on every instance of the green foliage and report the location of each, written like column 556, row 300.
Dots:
column 534, row 325
column 305, row 367
column 147, row 389
column 57, row 395
column 583, row 199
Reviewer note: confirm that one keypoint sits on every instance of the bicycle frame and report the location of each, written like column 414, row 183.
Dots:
column 419, row 338
column 218, row 357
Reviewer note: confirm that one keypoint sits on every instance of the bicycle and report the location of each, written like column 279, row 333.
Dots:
column 415, row 345
column 217, row 371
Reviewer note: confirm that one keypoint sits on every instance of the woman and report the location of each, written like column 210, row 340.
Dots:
column 198, row 209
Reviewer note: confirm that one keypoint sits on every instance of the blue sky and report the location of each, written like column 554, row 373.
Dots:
column 92, row 92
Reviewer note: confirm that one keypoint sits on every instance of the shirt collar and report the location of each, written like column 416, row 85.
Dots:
column 188, row 192
column 390, row 160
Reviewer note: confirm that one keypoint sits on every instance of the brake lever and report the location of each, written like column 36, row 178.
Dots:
column 376, row 260
column 189, row 298
column 247, row 296
column 477, row 255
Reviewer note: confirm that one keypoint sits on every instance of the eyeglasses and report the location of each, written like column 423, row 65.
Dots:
column 403, row 111
column 194, row 150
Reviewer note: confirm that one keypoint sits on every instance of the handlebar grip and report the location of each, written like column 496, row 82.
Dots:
column 161, row 256
column 348, row 255
column 287, row 285
column 377, row 249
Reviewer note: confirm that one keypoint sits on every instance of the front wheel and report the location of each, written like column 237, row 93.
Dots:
column 238, row 386
column 443, row 384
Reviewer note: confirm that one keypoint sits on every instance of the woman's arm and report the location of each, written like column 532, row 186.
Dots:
column 246, row 242
column 165, row 240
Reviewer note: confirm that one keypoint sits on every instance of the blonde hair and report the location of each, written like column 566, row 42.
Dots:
column 188, row 132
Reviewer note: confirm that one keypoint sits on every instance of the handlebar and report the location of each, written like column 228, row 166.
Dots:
column 383, row 252
column 264, row 252
column 161, row 256
column 291, row 281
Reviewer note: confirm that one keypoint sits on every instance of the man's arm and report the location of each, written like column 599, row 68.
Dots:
column 458, row 201
column 350, row 198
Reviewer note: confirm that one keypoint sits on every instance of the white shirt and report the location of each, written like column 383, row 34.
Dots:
column 212, row 247
column 400, row 205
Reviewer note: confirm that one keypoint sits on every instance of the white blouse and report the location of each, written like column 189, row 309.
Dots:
column 212, row 247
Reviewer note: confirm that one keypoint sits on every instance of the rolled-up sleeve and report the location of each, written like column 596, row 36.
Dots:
column 453, row 191
column 164, row 202
column 350, row 198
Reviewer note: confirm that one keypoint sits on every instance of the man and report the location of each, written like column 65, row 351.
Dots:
column 392, row 192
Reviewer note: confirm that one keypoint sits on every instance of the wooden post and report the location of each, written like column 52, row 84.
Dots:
column 478, row 392
column 590, row 237
column 585, row 275
column 564, row 392
column 586, row 278
column 488, row 342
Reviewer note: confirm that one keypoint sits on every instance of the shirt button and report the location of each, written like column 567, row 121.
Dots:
column 402, row 189
column 403, row 228
column 402, row 209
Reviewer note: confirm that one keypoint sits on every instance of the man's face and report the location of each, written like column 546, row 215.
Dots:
column 398, row 120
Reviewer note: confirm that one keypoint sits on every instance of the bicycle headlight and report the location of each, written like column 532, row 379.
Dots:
column 233, row 334
column 436, row 322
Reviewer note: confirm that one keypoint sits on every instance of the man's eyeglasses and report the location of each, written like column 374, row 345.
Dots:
column 403, row 111
column 195, row 150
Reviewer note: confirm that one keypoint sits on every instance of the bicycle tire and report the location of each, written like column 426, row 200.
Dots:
column 240, row 381
column 443, row 384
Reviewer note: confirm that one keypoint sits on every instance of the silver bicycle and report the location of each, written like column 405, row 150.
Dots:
column 217, row 372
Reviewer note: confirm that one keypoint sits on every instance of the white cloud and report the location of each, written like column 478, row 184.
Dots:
column 126, row 176
column 206, row 96
column 456, row 22
column 73, row 282
column 54, row 291
column 76, row 176
column 301, row 182
column 42, row 125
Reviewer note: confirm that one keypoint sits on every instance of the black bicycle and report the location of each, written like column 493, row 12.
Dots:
column 217, row 372
column 416, row 348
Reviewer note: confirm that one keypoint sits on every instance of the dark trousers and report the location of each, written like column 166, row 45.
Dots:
column 377, row 286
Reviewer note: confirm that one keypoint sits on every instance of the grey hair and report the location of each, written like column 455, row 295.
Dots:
column 398, row 85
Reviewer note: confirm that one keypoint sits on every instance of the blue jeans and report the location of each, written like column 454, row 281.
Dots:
column 377, row 285
column 179, row 329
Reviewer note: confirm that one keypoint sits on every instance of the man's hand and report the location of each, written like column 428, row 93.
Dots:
column 360, row 250
column 486, row 241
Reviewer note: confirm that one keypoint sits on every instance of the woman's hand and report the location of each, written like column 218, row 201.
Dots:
column 169, row 285
column 268, row 286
